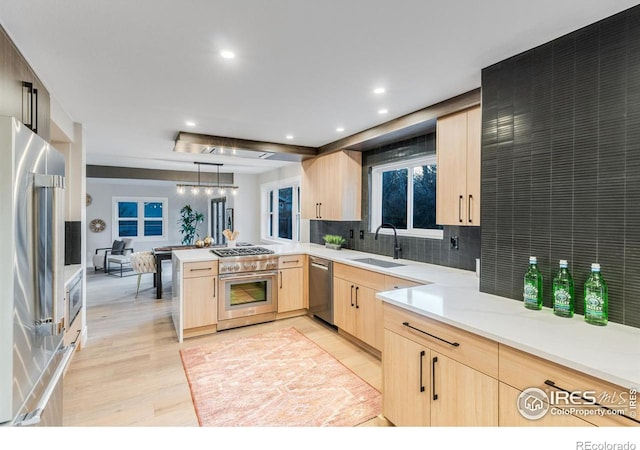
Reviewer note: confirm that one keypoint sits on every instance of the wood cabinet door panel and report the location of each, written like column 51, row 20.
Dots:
column 406, row 395
column 509, row 416
column 344, row 305
column 474, row 133
column 200, row 302
column 290, row 289
column 451, row 151
column 461, row 396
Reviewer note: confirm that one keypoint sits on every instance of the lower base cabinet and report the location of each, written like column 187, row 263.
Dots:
column 511, row 417
column 425, row 388
column 290, row 290
column 201, row 308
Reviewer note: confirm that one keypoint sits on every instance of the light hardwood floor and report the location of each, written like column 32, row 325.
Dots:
column 129, row 373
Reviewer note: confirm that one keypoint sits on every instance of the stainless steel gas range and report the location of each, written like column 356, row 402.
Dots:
column 248, row 288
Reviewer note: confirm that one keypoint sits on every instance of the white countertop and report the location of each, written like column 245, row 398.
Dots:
column 70, row 272
column 611, row 353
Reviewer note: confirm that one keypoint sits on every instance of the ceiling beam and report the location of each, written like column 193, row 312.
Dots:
column 196, row 143
column 418, row 122
column 132, row 173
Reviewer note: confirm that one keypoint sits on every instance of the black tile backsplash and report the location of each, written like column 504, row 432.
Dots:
column 432, row 251
column 561, row 164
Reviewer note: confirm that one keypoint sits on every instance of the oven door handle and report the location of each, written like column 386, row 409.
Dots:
column 231, row 277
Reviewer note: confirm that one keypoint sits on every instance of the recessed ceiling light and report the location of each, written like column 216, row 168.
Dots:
column 379, row 90
column 190, row 123
column 227, row 54
column 383, row 111
column 289, row 136
column 339, row 129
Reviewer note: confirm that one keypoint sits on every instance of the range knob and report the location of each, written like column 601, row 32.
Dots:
column 254, row 265
column 237, row 267
column 223, row 268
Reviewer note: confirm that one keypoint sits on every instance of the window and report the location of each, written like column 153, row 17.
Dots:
column 140, row 218
column 281, row 206
column 404, row 195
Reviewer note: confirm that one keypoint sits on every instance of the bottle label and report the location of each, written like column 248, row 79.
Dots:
column 593, row 303
column 562, row 300
column 530, row 294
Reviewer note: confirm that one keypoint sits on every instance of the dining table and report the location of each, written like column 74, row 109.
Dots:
column 164, row 254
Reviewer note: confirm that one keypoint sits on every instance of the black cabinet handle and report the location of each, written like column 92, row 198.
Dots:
column 352, row 295
column 553, row 385
column 34, row 107
column 421, row 378
column 319, row 210
column 281, row 279
column 357, row 288
column 469, row 208
column 214, row 287
column 453, row 344
column 433, row 377
column 460, row 208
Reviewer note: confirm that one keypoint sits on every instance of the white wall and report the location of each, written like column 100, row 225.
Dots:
column 245, row 203
column 284, row 173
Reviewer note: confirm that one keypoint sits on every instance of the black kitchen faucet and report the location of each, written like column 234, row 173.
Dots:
column 396, row 248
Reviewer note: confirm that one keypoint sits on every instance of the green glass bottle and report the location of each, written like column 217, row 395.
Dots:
column 563, row 295
column 533, row 285
column 596, row 301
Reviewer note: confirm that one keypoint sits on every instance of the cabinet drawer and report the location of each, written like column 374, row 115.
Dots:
column 391, row 283
column 472, row 350
column 200, row 269
column 522, row 370
column 291, row 261
column 509, row 415
column 362, row 277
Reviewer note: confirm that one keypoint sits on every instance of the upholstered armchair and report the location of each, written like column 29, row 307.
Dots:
column 117, row 253
column 143, row 262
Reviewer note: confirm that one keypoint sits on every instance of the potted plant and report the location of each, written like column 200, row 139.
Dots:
column 333, row 241
column 189, row 220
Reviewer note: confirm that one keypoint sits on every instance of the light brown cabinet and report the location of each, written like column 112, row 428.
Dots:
column 291, row 276
column 332, row 186
column 520, row 371
column 357, row 311
column 458, row 153
column 19, row 101
column 436, row 375
column 200, row 295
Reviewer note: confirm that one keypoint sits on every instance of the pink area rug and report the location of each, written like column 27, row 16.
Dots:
column 279, row 378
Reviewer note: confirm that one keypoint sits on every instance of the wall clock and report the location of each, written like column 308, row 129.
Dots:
column 89, row 199
column 97, row 225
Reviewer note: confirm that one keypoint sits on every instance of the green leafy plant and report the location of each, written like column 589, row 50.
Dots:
column 334, row 239
column 188, row 221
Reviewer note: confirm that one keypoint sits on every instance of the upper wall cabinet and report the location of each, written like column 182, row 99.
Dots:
column 22, row 95
column 332, row 186
column 458, row 181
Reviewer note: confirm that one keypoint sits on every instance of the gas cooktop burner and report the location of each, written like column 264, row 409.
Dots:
column 241, row 251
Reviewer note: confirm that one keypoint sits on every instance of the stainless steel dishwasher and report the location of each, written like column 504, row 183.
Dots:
column 321, row 288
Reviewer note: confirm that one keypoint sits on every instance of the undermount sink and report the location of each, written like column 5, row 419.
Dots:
column 377, row 262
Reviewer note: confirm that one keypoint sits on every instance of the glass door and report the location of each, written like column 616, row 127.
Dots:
column 218, row 206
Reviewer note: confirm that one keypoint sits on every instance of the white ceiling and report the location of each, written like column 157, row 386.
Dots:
column 133, row 72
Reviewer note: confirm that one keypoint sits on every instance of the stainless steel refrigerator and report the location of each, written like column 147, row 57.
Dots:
column 32, row 356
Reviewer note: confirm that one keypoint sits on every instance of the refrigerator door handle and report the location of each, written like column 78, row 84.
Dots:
column 34, row 417
column 54, row 324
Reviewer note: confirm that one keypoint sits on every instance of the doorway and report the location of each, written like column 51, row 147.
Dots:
column 218, row 207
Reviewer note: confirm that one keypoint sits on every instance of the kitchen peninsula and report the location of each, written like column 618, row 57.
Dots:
column 503, row 341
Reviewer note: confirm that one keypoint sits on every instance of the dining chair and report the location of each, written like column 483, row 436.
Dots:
column 142, row 262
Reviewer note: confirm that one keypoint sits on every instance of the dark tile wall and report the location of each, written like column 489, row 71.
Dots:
column 432, row 251
column 561, row 164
